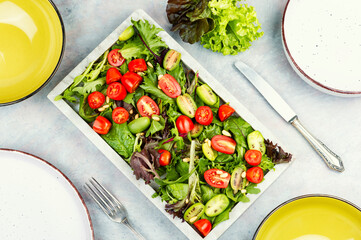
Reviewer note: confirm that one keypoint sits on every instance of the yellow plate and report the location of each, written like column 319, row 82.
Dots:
column 312, row 217
column 31, row 46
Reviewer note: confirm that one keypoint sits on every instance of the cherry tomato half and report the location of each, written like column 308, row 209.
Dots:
column 96, row 100
column 204, row 115
column 147, row 107
column 116, row 91
column 137, row 65
column 204, row 226
column 170, row 86
column 165, row 157
column 131, row 81
column 184, row 124
column 113, row 75
column 115, row 58
column 223, row 144
column 225, row 111
column 253, row 157
column 101, row 125
column 120, row 115
column 217, row 178
column 254, row 174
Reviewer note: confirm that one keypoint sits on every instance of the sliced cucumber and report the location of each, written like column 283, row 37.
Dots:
column 194, row 213
column 216, row 205
column 206, row 94
column 209, row 152
column 236, row 179
column 187, row 105
column 255, row 140
column 197, row 130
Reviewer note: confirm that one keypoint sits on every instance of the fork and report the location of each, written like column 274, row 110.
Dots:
column 109, row 204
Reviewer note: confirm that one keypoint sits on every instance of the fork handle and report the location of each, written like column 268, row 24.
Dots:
column 126, row 223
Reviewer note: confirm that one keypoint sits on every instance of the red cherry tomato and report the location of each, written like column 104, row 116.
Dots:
column 137, row 65
column 116, row 91
column 217, row 178
column 131, row 81
column 165, row 157
column 170, row 86
column 96, row 100
column 225, row 111
column 254, row 174
column 120, row 115
column 184, row 124
column 223, row 144
column 115, row 58
column 101, row 125
column 253, row 157
column 204, row 115
column 113, row 75
column 147, row 107
column 204, row 226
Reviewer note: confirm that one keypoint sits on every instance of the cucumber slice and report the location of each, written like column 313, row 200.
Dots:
column 126, row 34
column 236, row 179
column 197, row 130
column 194, row 213
column 187, row 105
column 209, row 152
column 206, row 94
column 216, row 205
column 255, row 140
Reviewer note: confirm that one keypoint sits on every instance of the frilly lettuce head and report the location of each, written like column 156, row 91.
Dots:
column 235, row 27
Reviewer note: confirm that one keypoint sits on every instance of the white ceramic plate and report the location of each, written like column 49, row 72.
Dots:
column 37, row 201
column 122, row 165
column 322, row 41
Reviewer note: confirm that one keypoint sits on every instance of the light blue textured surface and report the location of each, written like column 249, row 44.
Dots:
column 36, row 126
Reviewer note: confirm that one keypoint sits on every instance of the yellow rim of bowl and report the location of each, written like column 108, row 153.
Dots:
column 298, row 198
column 57, row 65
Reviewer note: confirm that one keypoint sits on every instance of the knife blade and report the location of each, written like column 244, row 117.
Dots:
column 332, row 160
column 273, row 98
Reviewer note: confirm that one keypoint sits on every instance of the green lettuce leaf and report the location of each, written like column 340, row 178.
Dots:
column 149, row 32
column 135, row 49
column 240, row 129
column 120, row 139
column 235, row 27
column 156, row 126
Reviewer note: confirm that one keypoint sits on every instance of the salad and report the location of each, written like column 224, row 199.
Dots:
column 172, row 128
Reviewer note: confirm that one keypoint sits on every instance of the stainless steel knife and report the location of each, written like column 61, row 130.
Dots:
column 332, row 160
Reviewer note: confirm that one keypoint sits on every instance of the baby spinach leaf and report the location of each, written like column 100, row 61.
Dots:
column 240, row 129
column 120, row 139
column 251, row 189
column 207, row 193
column 178, row 190
column 182, row 168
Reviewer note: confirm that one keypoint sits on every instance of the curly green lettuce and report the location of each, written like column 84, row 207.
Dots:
column 235, row 27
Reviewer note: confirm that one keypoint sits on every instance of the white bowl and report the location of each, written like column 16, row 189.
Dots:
column 322, row 41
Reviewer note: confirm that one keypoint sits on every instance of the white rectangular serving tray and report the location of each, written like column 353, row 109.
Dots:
column 123, row 166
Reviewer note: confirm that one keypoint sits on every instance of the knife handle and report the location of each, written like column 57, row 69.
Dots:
column 332, row 160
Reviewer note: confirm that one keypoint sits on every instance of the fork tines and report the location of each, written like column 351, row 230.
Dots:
column 108, row 203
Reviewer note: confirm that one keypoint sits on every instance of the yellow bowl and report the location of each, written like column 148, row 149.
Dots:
column 31, row 47
column 312, row 217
